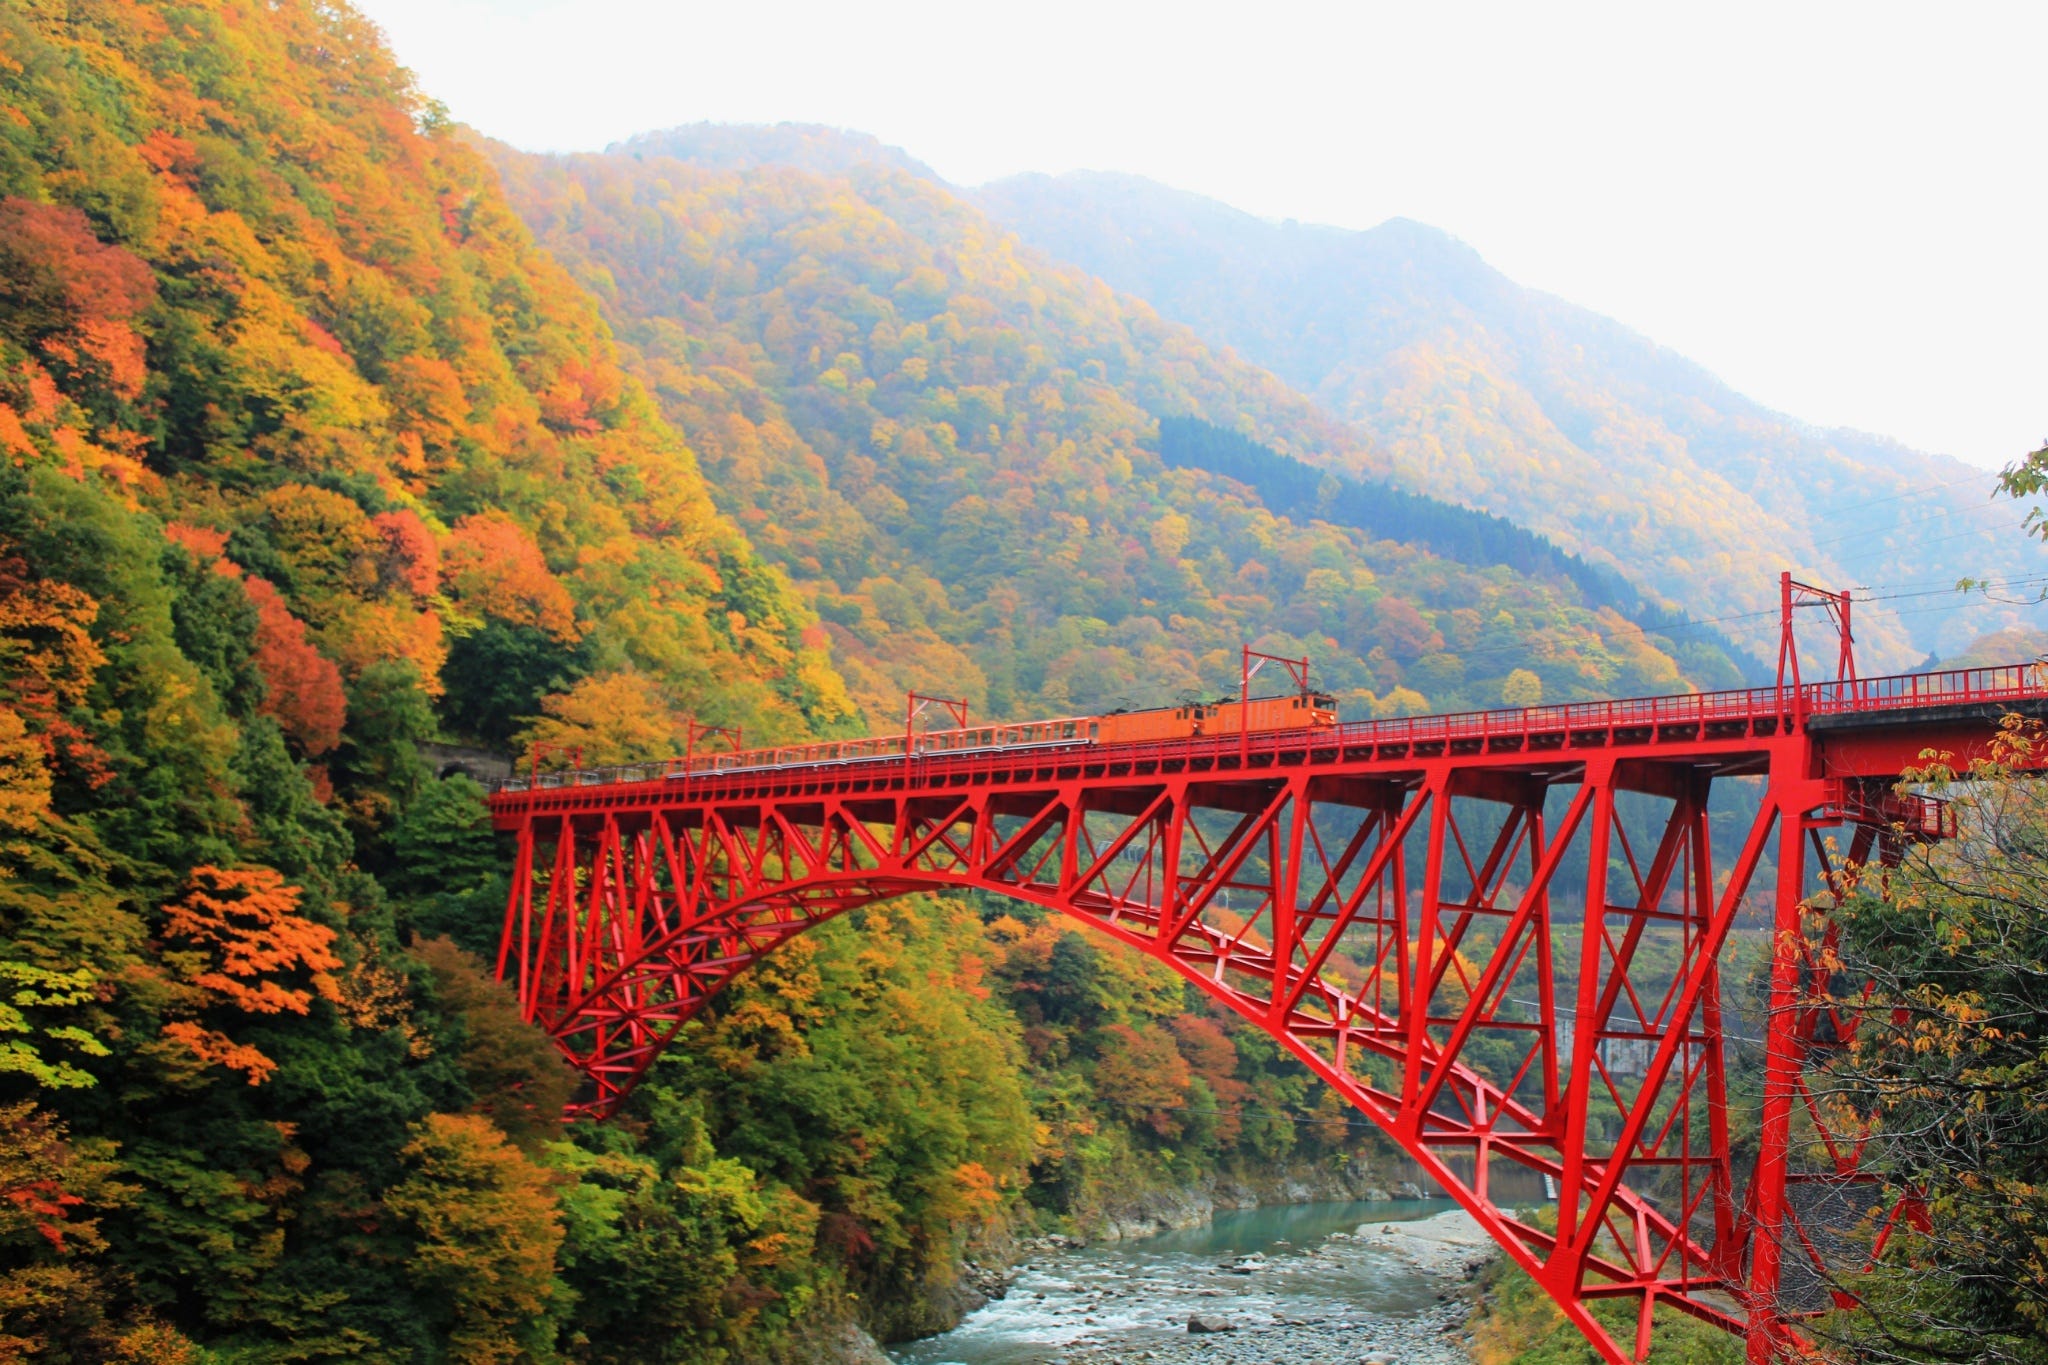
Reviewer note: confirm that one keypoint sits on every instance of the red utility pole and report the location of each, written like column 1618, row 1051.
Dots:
column 916, row 704
column 1297, row 669
column 1792, row 595
column 694, row 730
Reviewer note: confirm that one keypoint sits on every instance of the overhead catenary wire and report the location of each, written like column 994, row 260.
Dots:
column 1950, row 589
column 1939, row 540
column 1914, row 521
column 1946, row 583
column 1924, row 488
column 1681, row 627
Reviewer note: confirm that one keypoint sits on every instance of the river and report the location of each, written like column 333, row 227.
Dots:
column 1307, row 1282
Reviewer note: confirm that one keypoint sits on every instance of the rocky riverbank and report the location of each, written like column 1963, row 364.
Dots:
column 1449, row 1248
column 1344, row 1292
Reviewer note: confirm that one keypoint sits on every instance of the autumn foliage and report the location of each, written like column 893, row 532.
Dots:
column 48, row 659
column 244, row 946
column 487, row 1232
column 70, row 295
column 248, row 921
column 493, row 567
column 412, row 558
column 608, row 718
column 1144, row 1076
column 305, row 692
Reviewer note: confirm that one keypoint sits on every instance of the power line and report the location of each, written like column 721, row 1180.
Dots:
column 1938, row 540
column 2001, row 584
column 1902, row 525
column 1934, row 587
column 1924, row 488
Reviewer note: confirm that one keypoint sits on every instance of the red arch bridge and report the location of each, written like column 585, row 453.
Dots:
column 1500, row 935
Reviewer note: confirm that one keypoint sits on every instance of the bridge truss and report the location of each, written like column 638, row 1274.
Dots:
column 1501, row 936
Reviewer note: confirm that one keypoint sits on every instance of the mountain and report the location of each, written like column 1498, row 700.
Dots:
column 810, row 147
column 308, row 458
column 312, row 458
column 950, row 443
column 1485, row 392
column 314, row 455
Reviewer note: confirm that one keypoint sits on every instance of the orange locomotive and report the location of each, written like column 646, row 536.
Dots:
column 1191, row 720
column 1307, row 710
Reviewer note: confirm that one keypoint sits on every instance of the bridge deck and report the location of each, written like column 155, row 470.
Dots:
column 1376, row 896
column 1870, row 727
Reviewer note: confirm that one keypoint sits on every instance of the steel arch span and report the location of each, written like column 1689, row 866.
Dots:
column 1500, row 936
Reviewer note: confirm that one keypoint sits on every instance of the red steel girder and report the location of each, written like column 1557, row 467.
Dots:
column 1385, row 900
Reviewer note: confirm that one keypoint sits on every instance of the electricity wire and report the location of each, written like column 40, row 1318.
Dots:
column 1924, row 488
column 1938, row 540
column 1916, row 521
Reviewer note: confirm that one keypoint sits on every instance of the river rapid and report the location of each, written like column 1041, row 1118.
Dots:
column 1340, row 1283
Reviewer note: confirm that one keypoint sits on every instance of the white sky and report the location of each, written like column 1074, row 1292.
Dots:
column 1839, row 208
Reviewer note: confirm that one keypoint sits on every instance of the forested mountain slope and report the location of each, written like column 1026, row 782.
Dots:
column 1515, row 401
column 950, row 443
column 309, row 456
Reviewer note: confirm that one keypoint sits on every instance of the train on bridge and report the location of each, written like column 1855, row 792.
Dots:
column 1396, row 902
column 1305, row 708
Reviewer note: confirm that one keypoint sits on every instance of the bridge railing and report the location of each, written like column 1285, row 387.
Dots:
column 2001, row 683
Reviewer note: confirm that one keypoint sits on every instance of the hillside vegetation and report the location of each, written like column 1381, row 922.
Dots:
column 310, row 455
column 950, row 445
column 1488, row 393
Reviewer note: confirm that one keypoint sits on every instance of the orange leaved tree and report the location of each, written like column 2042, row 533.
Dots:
column 237, row 942
column 492, row 566
column 304, row 686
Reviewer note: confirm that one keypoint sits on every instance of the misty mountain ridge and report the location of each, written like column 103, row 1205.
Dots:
column 1522, row 403
column 1473, row 388
column 814, row 147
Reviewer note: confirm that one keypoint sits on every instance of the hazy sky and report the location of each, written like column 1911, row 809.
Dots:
column 1838, row 208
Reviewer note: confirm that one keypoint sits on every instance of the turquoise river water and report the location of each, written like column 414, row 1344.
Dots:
column 1122, row 1299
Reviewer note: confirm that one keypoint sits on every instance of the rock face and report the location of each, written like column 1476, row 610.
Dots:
column 1154, row 1212
column 1151, row 1212
column 853, row 1346
column 834, row 1341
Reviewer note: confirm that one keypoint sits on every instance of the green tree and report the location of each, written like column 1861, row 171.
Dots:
column 497, row 674
column 678, row 1260
column 486, row 1230
column 380, row 769
column 1070, row 994
column 1949, row 1065
column 445, row 863
column 517, row 1076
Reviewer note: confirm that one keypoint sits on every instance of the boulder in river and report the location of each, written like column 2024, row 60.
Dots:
column 1209, row 1322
